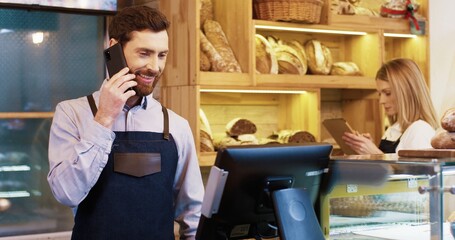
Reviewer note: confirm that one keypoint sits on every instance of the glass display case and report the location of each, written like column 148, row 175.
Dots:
column 46, row 57
column 389, row 197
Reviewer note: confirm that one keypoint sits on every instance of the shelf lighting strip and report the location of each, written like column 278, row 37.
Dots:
column 252, row 91
column 400, row 35
column 297, row 29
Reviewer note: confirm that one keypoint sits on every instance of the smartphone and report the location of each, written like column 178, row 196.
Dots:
column 114, row 58
column 337, row 127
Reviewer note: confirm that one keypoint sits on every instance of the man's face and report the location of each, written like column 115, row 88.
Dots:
column 146, row 55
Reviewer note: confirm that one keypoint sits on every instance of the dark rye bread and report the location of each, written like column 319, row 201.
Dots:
column 293, row 136
column 239, row 126
column 448, row 120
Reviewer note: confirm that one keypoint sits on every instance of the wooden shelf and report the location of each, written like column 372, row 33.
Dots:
column 20, row 115
column 316, row 81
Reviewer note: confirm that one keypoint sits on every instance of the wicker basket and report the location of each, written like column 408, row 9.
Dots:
column 307, row 11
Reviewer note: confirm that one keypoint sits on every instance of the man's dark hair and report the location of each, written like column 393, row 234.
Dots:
column 136, row 18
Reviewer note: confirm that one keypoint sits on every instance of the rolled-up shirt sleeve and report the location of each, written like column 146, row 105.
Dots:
column 78, row 151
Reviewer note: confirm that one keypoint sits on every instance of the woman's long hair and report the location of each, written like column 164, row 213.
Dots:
column 412, row 94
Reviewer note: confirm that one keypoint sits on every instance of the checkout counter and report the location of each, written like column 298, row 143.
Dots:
column 390, row 196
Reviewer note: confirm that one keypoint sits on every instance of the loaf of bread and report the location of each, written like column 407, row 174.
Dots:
column 244, row 139
column 289, row 60
column 240, row 126
column 266, row 62
column 448, row 120
column 218, row 39
column 217, row 63
column 294, row 136
column 443, row 140
column 319, row 57
column 274, row 41
column 206, row 142
column 206, row 12
column 345, row 69
column 204, row 62
column 301, row 52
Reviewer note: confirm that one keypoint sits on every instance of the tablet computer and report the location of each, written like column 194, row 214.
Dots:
column 337, row 127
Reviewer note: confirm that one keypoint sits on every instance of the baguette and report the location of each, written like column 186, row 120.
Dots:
column 216, row 61
column 204, row 62
column 218, row 39
column 206, row 11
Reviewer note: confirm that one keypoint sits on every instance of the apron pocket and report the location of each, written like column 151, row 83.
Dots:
column 137, row 164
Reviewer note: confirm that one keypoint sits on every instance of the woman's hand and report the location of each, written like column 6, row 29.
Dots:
column 113, row 95
column 361, row 143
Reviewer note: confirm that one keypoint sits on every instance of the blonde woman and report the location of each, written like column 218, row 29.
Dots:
column 406, row 100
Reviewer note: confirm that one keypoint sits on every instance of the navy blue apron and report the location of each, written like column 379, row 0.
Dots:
column 387, row 146
column 132, row 198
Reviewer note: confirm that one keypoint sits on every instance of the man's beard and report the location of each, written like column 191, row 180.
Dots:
column 143, row 90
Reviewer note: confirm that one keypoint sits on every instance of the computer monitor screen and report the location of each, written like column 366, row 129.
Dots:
column 246, row 209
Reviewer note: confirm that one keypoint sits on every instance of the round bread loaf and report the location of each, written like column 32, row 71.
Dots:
column 265, row 56
column 301, row 51
column 448, row 120
column 289, row 60
column 345, row 69
column 239, row 126
column 319, row 57
column 443, row 140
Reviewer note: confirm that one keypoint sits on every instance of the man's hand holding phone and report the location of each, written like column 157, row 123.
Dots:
column 117, row 89
column 113, row 95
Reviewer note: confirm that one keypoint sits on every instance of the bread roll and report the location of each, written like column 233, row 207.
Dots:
column 218, row 39
column 239, row 126
column 319, row 57
column 443, row 140
column 265, row 56
column 448, row 120
column 345, row 69
column 216, row 61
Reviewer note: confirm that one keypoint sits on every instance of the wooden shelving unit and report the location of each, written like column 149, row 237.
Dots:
column 330, row 96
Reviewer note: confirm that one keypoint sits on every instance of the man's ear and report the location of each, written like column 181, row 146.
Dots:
column 112, row 41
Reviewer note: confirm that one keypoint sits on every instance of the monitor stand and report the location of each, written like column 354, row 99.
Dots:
column 295, row 215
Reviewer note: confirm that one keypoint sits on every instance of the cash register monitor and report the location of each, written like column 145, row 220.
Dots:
column 248, row 206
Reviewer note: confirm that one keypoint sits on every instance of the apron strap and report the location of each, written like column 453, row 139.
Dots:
column 166, row 123
column 91, row 102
